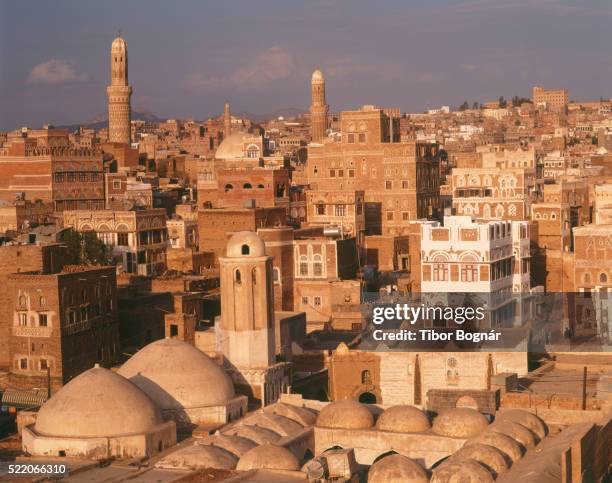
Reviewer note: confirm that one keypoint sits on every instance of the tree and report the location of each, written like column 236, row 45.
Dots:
column 86, row 249
column 502, row 102
column 475, row 105
column 464, row 106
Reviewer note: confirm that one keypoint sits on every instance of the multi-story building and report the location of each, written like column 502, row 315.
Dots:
column 340, row 210
column 552, row 99
column 263, row 187
column 138, row 238
column 400, row 179
column 61, row 324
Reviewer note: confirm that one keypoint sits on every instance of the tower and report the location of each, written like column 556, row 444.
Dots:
column 119, row 94
column 227, row 120
column 246, row 331
column 318, row 108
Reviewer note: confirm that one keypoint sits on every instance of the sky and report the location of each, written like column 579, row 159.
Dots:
column 186, row 57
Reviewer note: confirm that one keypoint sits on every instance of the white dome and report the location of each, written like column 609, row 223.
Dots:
column 119, row 45
column 317, row 77
column 97, row 403
column 176, row 375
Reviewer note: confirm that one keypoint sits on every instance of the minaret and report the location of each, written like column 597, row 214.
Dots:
column 119, row 94
column 246, row 333
column 318, row 108
column 227, row 120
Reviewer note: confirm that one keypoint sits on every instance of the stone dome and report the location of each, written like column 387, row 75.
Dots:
column 517, row 432
column 269, row 457
column 97, row 403
column 176, row 375
column 232, row 147
column 347, row 414
column 488, row 456
column 235, row 444
column 525, row 418
column 245, row 244
column 199, row 456
column 459, row 423
column 317, row 77
column 397, row 469
column 501, row 441
column 403, row 419
column 468, row 471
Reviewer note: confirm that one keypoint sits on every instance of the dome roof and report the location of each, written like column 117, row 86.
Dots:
column 232, row 147
column 464, row 471
column 488, row 456
column 347, row 414
column 502, row 442
column 97, row 403
column 176, row 375
column 459, row 423
column 517, row 432
column 317, row 77
column 245, row 244
column 255, row 433
column 403, row 419
column 199, row 456
column 235, row 444
column 269, row 457
column 118, row 45
column 525, row 418
column 397, row 469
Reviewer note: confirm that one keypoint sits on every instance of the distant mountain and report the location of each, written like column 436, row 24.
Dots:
column 286, row 113
column 101, row 121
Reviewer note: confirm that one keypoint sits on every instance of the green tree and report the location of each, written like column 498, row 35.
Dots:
column 475, row 105
column 502, row 102
column 86, row 249
column 464, row 106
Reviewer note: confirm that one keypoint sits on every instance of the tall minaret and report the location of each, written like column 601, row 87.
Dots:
column 227, row 120
column 318, row 108
column 119, row 94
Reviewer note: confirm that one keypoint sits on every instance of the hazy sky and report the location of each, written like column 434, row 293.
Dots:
column 188, row 56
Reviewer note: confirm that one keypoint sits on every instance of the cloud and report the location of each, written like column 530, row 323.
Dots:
column 270, row 65
column 55, row 71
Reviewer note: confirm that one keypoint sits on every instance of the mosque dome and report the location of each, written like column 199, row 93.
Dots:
column 245, row 243
column 397, row 469
column 468, row 471
column 176, row 375
column 317, row 77
column 488, row 456
column 403, row 419
column 525, row 418
column 347, row 414
column 502, row 442
column 459, row 423
column 269, row 457
column 97, row 403
column 233, row 147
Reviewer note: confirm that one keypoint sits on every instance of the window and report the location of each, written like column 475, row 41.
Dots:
column 228, row 187
column 116, row 185
column 303, row 266
column 276, row 275
column 469, row 273
column 59, row 177
column 42, row 320
column 320, row 209
column 366, row 377
column 72, row 178
column 388, row 185
column 237, row 277
column 82, row 177
column 340, row 210
column 247, row 186
column 173, row 330
column 351, row 173
column 122, row 239
column 23, row 363
column 44, row 364
column 603, row 278
column 405, row 184
column 317, row 266
column 23, row 319
column 389, row 216
column 304, row 300
column 405, row 216
column 245, row 250
column 350, row 138
column 340, row 173
column 317, row 301
column 362, row 137
column 440, row 272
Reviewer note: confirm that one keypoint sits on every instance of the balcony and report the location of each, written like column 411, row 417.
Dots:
column 24, row 331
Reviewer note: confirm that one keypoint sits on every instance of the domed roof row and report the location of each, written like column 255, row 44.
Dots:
column 165, row 375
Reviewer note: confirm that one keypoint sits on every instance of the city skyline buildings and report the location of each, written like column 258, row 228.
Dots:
column 395, row 61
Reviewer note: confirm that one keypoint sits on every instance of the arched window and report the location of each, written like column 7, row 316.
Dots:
column 237, row 277
column 245, row 250
column 603, row 278
column 366, row 377
column 254, row 276
column 247, row 186
column 586, row 278
column 229, row 187
column 260, row 186
column 303, row 266
column 317, row 266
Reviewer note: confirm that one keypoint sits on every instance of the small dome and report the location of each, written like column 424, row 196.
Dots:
column 317, row 77
column 347, row 414
column 459, row 423
column 397, row 469
column 232, row 443
column 269, row 457
column 176, row 375
column 502, row 442
column 199, row 456
column 403, row 419
column 119, row 45
column 256, row 434
column 517, row 432
column 233, row 146
column 97, row 403
column 525, row 418
column 488, row 456
column 468, row 471
column 245, row 244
